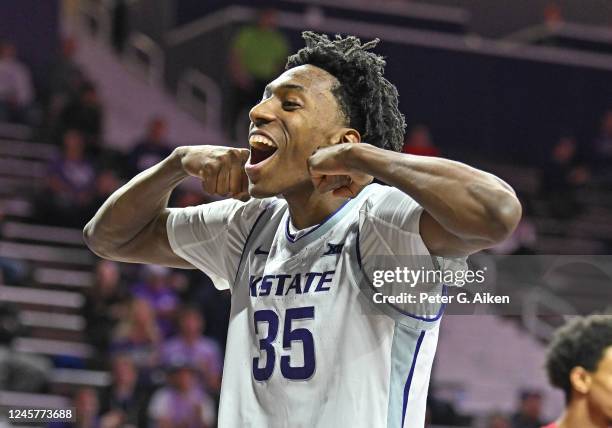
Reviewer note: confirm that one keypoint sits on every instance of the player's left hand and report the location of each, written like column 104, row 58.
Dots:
column 330, row 171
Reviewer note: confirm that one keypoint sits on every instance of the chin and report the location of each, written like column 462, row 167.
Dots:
column 260, row 192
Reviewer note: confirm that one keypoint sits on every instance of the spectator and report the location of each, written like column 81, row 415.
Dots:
column 70, row 183
column 138, row 336
column 182, row 403
column 198, row 290
column 12, row 271
column 66, row 77
column 152, row 149
column 85, row 402
column 158, row 292
column 442, row 412
column 19, row 371
column 529, row 412
column 124, row 401
column 106, row 183
column 553, row 15
column 84, row 113
column 16, row 91
column 105, row 303
column 498, row 420
column 603, row 143
column 200, row 352
column 561, row 176
column 419, row 142
column 258, row 53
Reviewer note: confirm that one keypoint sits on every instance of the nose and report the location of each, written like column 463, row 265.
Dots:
column 261, row 113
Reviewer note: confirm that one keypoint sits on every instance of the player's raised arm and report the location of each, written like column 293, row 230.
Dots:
column 466, row 209
column 131, row 225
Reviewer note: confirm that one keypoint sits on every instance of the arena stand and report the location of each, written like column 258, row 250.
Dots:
column 59, row 267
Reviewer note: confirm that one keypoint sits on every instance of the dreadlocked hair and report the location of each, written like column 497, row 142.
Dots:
column 368, row 101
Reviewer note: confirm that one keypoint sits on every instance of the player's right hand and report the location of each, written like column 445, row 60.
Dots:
column 221, row 169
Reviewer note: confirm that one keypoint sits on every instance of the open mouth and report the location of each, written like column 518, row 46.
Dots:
column 261, row 148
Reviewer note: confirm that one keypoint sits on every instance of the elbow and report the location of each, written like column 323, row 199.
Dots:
column 95, row 241
column 505, row 218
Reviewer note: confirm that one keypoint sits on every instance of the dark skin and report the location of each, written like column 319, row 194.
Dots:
column 590, row 405
column 320, row 161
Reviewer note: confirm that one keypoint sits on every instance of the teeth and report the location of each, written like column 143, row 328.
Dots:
column 258, row 140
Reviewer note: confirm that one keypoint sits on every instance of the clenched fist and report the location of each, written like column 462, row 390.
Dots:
column 221, row 169
column 330, row 171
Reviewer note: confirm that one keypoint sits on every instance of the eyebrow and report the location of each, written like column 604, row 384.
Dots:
column 284, row 86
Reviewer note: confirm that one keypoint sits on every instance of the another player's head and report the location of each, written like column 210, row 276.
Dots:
column 333, row 91
column 579, row 361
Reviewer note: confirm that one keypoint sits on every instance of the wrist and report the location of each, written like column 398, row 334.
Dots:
column 359, row 156
column 175, row 161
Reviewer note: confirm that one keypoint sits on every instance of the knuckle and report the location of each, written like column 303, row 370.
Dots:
column 208, row 168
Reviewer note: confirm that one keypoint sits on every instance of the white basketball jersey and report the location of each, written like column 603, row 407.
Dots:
column 307, row 346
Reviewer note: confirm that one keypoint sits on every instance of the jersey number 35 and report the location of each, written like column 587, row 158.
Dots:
column 262, row 370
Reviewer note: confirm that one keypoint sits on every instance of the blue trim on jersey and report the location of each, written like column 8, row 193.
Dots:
column 409, row 380
column 247, row 241
column 358, row 250
column 291, row 238
column 408, row 314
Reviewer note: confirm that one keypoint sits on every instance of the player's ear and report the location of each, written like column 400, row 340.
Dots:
column 580, row 379
column 347, row 135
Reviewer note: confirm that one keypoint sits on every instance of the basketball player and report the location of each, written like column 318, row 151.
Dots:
column 579, row 361
column 306, row 347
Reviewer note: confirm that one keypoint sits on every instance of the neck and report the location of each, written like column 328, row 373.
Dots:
column 189, row 339
column 578, row 414
column 308, row 208
column 124, row 388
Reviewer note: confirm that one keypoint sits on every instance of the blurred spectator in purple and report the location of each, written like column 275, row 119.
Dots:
column 105, row 304
column 529, row 412
column 85, row 405
column 16, row 90
column 214, row 304
column 106, row 183
column 560, row 178
column 258, row 53
column 199, row 351
column 123, row 403
column 138, row 336
column 419, row 142
column 182, row 403
column 152, row 149
column 70, row 185
column 83, row 113
column 157, row 290
column 66, row 77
